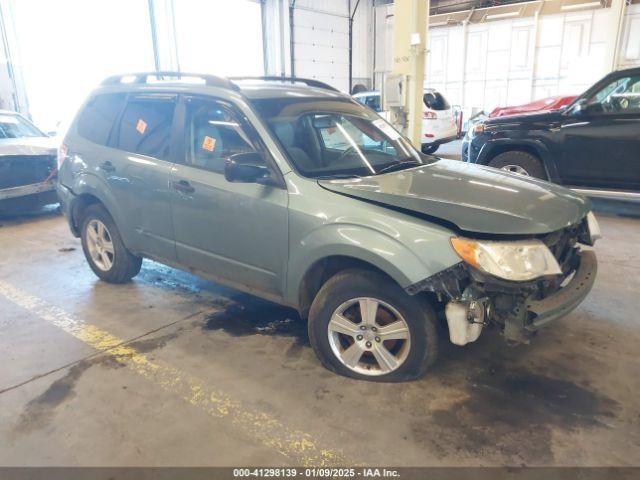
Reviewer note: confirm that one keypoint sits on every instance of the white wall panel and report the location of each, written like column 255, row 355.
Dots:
column 506, row 62
column 630, row 48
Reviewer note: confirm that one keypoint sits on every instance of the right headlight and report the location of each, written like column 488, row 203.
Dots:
column 519, row 260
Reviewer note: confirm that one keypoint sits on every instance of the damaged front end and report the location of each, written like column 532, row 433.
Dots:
column 27, row 178
column 474, row 298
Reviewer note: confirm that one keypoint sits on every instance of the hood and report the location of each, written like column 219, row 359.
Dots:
column 476, row 199
column 543, row 118
column 28, row 146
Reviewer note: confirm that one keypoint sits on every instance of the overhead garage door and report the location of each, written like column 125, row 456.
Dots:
column 321, row 44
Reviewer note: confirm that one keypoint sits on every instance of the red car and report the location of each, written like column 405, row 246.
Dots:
column 550, row 103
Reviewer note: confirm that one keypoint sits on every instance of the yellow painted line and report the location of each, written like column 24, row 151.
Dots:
column 259, row 426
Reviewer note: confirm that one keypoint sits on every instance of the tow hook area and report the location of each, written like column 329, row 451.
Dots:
column 466, row 319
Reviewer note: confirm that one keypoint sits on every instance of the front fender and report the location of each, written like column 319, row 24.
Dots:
column 487, row 152
column 363, row 243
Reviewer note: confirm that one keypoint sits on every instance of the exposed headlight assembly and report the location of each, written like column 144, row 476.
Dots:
column 517, row 261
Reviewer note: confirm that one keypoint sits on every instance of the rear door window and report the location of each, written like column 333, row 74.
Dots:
column 436, row 101
column 146, row 125
column 95, row 122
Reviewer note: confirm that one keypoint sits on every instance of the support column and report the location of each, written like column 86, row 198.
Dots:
column 410, row 51
column 614, row 38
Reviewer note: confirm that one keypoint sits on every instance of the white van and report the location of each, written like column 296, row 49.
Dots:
column 438, row 124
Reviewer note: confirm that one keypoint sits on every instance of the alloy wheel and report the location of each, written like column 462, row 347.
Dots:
column 369, row 336
column 100, row 245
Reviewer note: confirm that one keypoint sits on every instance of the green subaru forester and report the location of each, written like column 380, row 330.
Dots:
column 294, row 192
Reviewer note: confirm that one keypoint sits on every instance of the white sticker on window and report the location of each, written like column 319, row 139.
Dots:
column 387, row 129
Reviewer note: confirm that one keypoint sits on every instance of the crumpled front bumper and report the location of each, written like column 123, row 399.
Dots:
column 519, row 308
column 560, row 303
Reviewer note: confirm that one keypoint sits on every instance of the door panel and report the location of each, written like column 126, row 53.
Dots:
column 142, row 171
column 602, row 152
column 234, row 231
column 601, row 139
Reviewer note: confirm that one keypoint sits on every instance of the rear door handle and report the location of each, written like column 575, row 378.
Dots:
column 182, row 186
column 107, row 166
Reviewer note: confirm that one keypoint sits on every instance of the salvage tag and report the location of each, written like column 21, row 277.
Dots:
column 209, row 143
column 141, row 126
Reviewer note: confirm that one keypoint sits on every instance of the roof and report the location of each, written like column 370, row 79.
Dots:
column 251, row 87
column 256, row 89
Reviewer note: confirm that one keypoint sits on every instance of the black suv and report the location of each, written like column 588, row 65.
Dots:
column 592, row 145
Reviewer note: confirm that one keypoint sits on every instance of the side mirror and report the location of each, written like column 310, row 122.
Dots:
column 248, row 167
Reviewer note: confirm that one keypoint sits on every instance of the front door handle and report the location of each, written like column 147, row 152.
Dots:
column 107, row 167
column 182, row 186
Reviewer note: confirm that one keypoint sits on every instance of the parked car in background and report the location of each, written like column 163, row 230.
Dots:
column 27, row 165
column 439, row 124
column 592, row 145
column 545, row 104
column 300, row 195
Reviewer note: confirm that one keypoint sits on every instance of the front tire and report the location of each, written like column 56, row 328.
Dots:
column 519, row 162
column 103, row 247
column 363, row 325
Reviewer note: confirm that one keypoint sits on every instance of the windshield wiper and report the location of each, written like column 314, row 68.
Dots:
column 337, row 176
column 399, row 165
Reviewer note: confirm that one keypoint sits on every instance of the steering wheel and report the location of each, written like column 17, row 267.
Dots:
column 346, row 153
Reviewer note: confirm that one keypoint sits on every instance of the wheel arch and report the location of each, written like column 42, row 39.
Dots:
column 89, row 190
column 537, row 148
column 322, row 270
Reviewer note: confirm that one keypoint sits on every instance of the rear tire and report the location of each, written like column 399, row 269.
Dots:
column 103, row 247
column 337, row 324
column 523, row 163
column 429, row 149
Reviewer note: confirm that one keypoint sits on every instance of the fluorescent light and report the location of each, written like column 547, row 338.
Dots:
column 495, row 16
column 576, row 6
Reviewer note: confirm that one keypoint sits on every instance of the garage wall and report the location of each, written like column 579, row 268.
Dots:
column 511, row 62
column 321, row 40
column 630, row 48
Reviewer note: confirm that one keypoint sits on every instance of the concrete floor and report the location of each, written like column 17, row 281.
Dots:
column 208, row 376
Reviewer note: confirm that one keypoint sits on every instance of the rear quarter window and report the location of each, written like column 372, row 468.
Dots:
column 98, row 116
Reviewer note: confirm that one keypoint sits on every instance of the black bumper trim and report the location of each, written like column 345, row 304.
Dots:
column 568, row 298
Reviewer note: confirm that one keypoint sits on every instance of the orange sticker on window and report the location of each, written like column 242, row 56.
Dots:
column 331, row 130
column 141, row 126
column 209, row 144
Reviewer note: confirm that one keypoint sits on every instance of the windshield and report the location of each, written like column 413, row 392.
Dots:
column 13, row 126
column 336, row 138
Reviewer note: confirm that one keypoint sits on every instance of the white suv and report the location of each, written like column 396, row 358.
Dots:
column 438, row 124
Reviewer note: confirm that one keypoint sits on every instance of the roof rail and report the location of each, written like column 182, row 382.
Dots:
column 142, row 77
column 275, row 78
